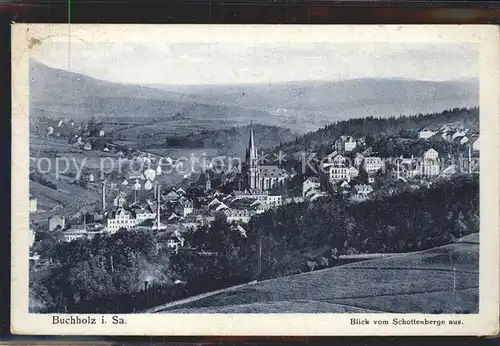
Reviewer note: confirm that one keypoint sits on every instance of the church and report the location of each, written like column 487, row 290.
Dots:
column 257, row 176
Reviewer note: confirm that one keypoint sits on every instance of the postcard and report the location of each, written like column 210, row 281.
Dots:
column 255, row 180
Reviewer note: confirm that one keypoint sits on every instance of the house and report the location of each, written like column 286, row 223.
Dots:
column 214, row 203
column 449, row 171
column 274, row 201
column 173, row 217
column 447, row 135
column 251, row 194
column 407, row 168
column 338, row 145
column 175, row 241
column 464, row 140
column 184, row 207
column 358, row 160
column 32, row 237
column 430, row 164
column 120, row 218
column 240, row 229
column 476, row 145
column 136, row 176
column 125, row 182
column 106, row 149
column 350, row 144
column 172, row 196
column 290, row 200
column 56, row 221
column 158, row 170
column 318, row 195
column 338, row 173
column 368, row 151
column 363, row 189
column 258, row 207
column 311, row 192
column 339, row 160
column 74, row 234
column 50, row 130
column 221, row 206
column 137, row 185
column 310, row 183
column 143, row 212
column 425, row 133
column 237, row 215
column 33, row 205
column 101, row 133
column 89, row 178
column 431, row 154
column 87, row 146
column 458, row 134
column 345, row 185
column 345, row 144
column 373, row 164
column 353, row 172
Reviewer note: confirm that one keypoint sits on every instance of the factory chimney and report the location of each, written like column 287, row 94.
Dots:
column 103, row 195
column 158, row 206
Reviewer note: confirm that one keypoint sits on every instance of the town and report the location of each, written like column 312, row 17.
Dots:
column 145, row 200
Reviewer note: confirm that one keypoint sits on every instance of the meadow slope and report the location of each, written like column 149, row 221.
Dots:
column 439, row 280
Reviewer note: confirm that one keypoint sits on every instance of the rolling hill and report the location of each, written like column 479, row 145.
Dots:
column 307, row 105
column 62, row 94
column 300, row 106
column 440, row 280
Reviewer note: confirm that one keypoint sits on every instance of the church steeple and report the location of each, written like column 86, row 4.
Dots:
column 252, row 170
column 252, row 150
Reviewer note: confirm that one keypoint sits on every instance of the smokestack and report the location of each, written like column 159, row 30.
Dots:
column 470, row 160
column 103, row 196
column 158, row 207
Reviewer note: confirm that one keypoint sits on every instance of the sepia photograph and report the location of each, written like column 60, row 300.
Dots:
column 188, row 177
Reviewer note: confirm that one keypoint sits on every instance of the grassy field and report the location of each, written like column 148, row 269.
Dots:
column 443, row 279
column 70, row 196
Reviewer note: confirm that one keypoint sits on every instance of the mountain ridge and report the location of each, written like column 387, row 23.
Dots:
column 300, row 106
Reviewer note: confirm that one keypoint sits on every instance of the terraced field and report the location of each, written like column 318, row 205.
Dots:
column 439, row 280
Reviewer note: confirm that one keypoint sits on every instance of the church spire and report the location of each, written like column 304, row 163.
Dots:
column 252, row 150
column 252, row 169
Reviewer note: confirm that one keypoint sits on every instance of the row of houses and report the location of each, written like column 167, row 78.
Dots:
column 451, row 133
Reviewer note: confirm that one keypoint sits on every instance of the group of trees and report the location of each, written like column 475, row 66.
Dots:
column 83, row 270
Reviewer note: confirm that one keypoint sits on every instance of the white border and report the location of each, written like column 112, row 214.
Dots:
column 484, row 323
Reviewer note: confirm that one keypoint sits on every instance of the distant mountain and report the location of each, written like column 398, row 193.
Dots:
column 299, row 106
column 62, row 94
column 311, row 104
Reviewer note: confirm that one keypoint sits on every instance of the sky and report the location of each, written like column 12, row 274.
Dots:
column 228, row 63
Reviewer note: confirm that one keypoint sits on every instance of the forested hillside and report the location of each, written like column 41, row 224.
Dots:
column 233, row 140
column 403, row 126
